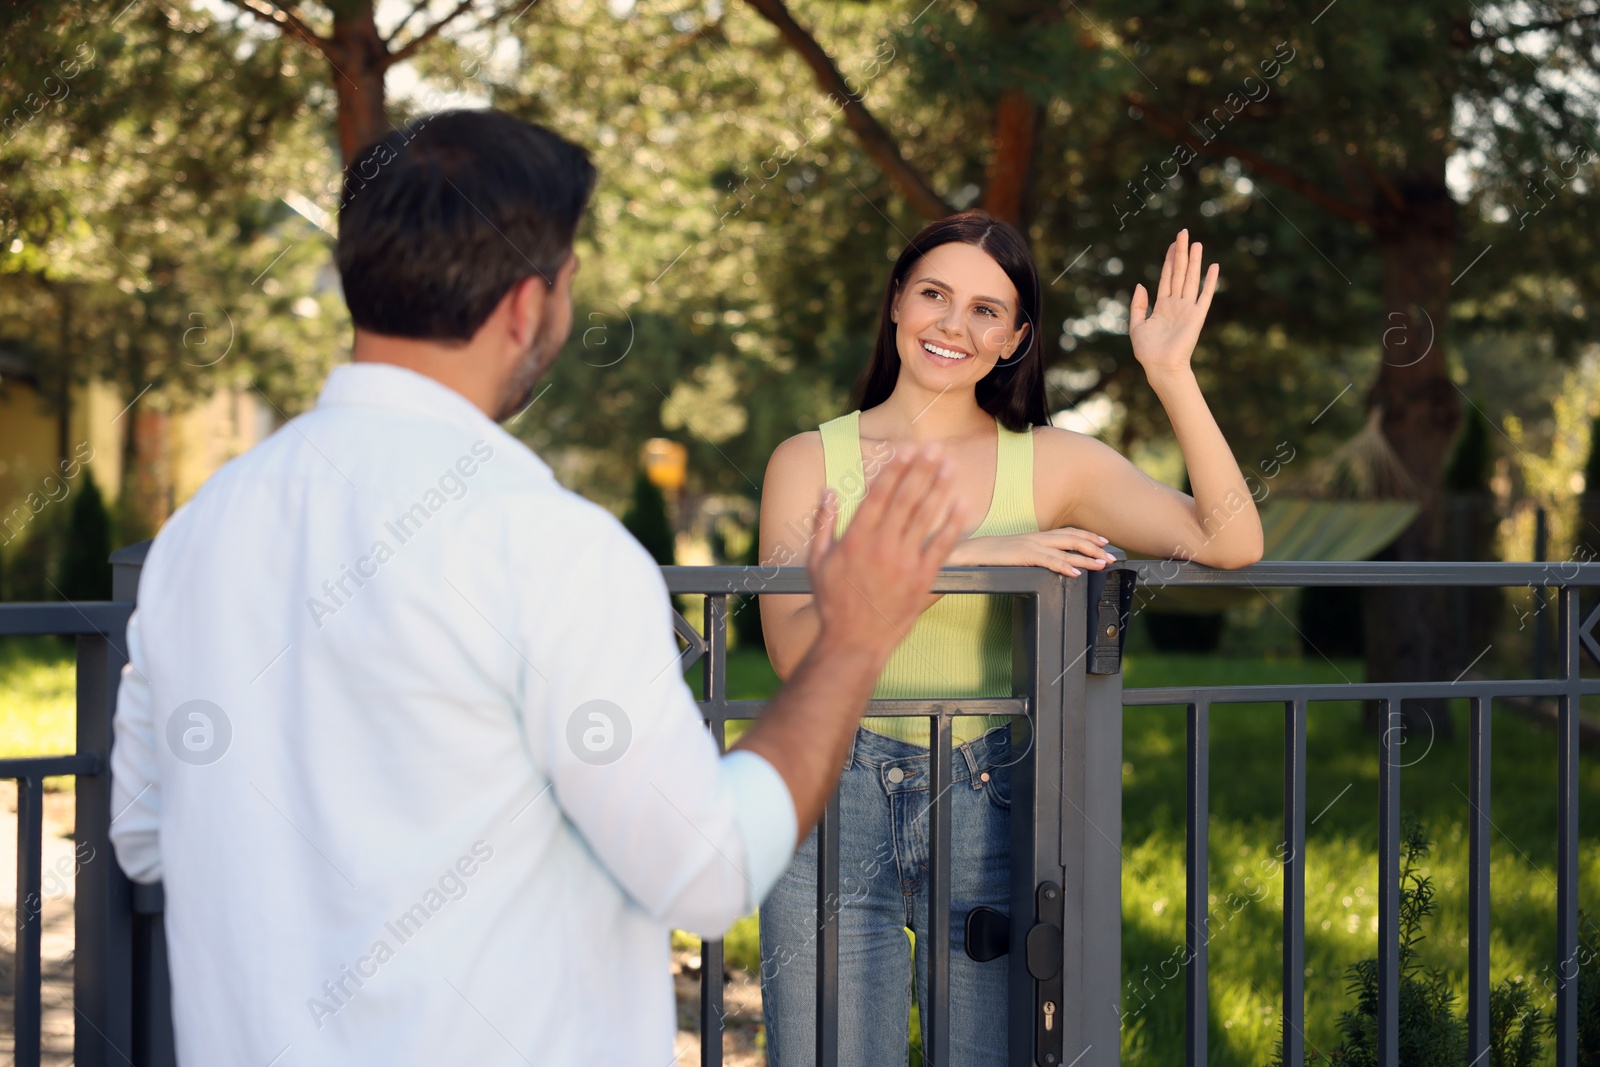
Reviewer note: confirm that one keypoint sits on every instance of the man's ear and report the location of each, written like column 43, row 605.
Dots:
column 527, row 301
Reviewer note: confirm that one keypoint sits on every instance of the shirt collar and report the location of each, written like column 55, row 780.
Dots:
column 394, row 388
column 386, row 385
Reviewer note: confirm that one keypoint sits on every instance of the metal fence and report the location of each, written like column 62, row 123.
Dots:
column 1065, row 917
column 1066, row 812
column 119, row 990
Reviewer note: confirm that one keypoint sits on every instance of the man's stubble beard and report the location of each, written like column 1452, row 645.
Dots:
column 519, row 389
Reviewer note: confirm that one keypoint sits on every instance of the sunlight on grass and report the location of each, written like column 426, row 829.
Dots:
column 38, row 709
column 1341, row 917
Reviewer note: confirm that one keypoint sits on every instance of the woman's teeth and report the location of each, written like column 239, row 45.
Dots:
column 947, row 353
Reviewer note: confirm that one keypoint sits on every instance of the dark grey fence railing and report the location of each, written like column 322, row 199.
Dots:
column 1574, row 638
column 1066, row 811
column 119, row 956
column 1065, row 952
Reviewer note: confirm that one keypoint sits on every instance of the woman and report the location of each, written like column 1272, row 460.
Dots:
column 958, row 361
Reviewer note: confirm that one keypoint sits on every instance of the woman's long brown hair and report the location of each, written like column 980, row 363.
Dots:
column 1013, row 391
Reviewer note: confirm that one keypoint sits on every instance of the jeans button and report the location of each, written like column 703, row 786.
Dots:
column 896, row 775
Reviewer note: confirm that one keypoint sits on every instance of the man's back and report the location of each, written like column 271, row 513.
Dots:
column 351, row 755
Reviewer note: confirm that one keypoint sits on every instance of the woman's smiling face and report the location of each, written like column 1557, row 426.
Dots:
column 954, row 317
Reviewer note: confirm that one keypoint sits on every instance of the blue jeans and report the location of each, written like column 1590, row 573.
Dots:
column 883, row 889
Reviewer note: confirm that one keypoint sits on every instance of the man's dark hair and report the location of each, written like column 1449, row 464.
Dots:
column 439, row 219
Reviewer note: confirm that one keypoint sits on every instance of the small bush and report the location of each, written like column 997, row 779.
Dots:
column 1431, row 1033
column 85, row 562
column 646, row 518
column 1588, row 989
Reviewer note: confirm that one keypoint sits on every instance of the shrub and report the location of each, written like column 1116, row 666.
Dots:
column 646, row 518
column 85, row 572
column 1431, row 1033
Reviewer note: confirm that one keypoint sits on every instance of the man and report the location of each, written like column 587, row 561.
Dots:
column 402, row 730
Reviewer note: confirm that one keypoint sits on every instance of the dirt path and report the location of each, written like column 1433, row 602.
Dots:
column 56, row 915
column 741, row 1000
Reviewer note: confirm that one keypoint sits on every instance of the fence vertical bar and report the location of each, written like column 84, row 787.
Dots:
column 936, row 1013
column 714, row 683
column 1541, row 596
column 1037, row 825
column 1566, row 1032
column 1480, row 746
column 1090, row 963
column 1294, row 882
column 26, row 970
column 828, row 934
column 1197, row 885
column 1100, row 764
column 1389, row 884
column 103, row 921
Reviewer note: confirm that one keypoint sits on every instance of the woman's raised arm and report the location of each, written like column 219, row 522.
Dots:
column 1218, row 525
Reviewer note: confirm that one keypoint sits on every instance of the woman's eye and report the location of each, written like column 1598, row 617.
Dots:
column 989, row 311
column 932, row 294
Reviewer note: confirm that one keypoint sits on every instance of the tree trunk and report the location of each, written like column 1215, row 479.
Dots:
column 1007, row 179
column 1408, row 630
column 66, row 358
column 359, row 58
column 135, row 519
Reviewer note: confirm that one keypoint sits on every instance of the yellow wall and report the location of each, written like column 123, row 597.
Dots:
column 209, row 434
column 200, row 439
column 27, row 447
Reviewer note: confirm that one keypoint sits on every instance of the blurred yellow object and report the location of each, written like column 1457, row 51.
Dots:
column 666, row 463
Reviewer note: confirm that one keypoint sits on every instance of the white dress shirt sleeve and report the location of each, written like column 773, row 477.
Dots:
column 695, row 838
column 135, row 776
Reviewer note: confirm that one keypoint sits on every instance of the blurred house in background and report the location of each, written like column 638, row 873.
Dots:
column 49, row 450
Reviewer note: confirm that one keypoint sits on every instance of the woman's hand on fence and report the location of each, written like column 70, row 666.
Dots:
column 871, row 584
column 1064, row 551
column 1164, row 336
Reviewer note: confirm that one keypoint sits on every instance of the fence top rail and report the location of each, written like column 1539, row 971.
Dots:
column 718, row 581
column 1482, row 688
column 1291, row 573
column 108, row 618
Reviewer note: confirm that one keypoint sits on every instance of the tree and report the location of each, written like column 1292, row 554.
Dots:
column 85, row 566
column 1356, row 117
column 358, row 55
column 1360, row 133
column 144, row 241
column 646, row 518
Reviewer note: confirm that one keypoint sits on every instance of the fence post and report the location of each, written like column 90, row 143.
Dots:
column 102, row 919
column 1092, row 776
column 1066, row 902
column 151, row 991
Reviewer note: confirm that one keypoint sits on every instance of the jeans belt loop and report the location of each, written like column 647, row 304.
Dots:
column 972, row 764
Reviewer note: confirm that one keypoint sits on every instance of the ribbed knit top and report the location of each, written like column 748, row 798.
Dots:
column 961, row 646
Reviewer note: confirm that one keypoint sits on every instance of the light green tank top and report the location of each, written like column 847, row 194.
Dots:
column 961, row 646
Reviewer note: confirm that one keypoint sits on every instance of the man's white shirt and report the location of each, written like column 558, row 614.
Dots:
column 404, row 734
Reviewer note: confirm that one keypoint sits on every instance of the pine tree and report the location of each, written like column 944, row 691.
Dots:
column 646, row 518
column 85, row 565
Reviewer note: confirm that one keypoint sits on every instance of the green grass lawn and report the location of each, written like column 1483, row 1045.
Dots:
column 38, row 714
column 1246, row 827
